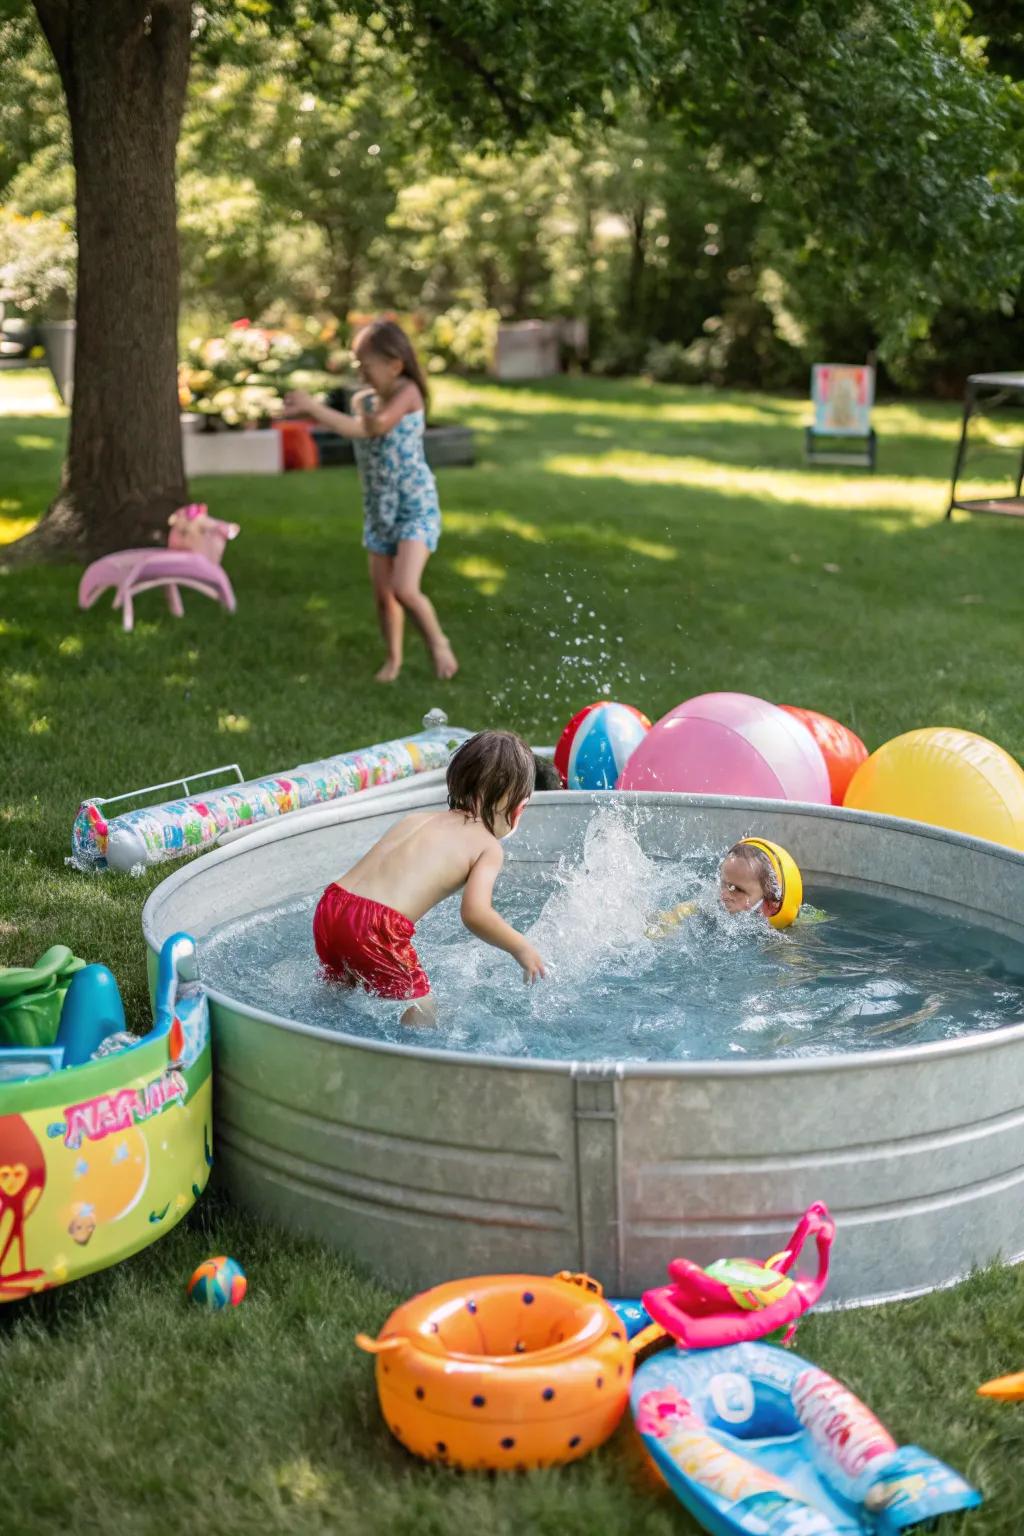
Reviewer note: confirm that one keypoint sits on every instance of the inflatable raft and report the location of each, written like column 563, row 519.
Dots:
column 755, row 1441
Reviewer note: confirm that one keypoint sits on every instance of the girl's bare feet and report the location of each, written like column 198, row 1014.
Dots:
column 388, row 672
column 445, row 663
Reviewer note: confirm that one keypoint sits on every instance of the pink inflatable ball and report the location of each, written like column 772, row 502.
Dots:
column 730, row 744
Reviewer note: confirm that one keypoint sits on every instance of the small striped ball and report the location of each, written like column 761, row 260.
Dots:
column 218, row 1283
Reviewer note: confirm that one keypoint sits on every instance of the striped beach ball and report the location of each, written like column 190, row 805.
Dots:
column 217, row 1283
column 594, row 747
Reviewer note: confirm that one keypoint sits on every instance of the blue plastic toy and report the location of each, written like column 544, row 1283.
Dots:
column 92, row 1011
column 755, row 1441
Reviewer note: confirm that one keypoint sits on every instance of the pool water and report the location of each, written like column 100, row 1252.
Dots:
column 860, row 973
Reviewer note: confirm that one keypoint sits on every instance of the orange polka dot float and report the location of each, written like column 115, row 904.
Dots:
column 503, row 1372
column 730, row 744
column 946, row 778
column 218, row 1283
column 842, row 750
column 597, row 743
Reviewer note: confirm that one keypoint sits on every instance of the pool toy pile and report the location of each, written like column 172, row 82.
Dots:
column 736, row 744
column 509, row 1372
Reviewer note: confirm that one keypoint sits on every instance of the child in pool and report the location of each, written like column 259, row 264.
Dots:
column 750, row 877
column 402, row 517
column 364, row 924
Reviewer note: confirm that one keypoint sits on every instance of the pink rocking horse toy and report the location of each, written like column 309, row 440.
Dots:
column 735, row 1300
column 195, row 548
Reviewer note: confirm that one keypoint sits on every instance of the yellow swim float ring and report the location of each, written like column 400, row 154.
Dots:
column 785, row 910
column 505, row 1372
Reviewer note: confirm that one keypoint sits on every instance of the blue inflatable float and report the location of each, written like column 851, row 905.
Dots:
column 757, row 1442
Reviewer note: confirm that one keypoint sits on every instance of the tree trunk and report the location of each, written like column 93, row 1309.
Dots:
column 124, row 67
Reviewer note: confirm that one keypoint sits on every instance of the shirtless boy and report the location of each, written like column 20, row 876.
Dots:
column 364, row 923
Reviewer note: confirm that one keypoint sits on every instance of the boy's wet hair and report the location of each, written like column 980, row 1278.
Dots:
column 490, row 773
column 545, row 774
column 757, row 860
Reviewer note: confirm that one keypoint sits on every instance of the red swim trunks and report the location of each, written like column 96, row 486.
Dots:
column 364, row 943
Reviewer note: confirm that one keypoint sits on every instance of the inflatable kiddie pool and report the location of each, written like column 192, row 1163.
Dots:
column 99, row 1160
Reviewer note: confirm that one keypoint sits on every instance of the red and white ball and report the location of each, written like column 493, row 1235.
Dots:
column 597, row 743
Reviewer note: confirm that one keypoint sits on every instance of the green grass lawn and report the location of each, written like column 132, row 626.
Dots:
column 651, row 543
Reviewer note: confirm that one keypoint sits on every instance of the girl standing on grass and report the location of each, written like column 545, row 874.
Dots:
column 402, row 518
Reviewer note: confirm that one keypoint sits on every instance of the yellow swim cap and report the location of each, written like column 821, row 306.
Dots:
column 791, row 886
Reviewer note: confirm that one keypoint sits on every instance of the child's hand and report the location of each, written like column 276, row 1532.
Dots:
column 532, row 964
column 298, row 403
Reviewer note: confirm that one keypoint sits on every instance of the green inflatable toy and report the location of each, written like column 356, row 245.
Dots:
column 32, row 996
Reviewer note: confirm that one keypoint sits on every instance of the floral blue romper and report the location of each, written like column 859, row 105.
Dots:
column 399, row 491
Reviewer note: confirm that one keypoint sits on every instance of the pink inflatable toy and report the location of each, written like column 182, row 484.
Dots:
column 730, row 744
column 195, row 547
column 736, row 1300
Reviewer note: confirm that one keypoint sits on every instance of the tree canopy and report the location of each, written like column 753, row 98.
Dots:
column 721, row 189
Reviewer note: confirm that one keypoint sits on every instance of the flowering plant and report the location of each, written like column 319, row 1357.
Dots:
column 37, row 263
column 237, row 377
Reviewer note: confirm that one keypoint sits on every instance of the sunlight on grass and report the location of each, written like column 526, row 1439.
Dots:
column 486, row 575
column 649, row 550
column 919, row 498
column 664, row 405
column 30, row 392
column 234, row 725
column 301, row 1483
column 71, row 645
column 33, row 440
column 486, row 522
column 12, row 528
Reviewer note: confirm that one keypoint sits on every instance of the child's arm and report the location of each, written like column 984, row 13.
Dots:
column 481, row 919
column 298, row 403
column 670, row 919
column 361, row 423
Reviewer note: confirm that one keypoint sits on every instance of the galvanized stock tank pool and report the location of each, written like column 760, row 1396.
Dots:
column 427, row 1156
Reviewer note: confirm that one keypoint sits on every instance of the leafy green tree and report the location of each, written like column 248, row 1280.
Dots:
column 882, row 147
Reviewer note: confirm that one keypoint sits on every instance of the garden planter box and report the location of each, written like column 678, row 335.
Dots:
column 443, row 445
column 231, row 453
column 530, row 349
column 59, row 341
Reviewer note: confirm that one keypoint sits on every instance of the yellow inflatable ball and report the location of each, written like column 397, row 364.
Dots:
column 947, row 778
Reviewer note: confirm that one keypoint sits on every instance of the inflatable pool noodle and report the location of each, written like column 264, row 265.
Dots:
column 153, row 834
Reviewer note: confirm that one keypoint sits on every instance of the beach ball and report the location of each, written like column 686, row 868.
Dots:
column 842, row 750
column 730, row 744
column 597, row 743
column 947, row 778
column 218, row 1283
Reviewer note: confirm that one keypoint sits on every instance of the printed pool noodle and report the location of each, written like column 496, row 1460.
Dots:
column 156, row 833
column 730, row 744
column 841, row 748
column 946, row 778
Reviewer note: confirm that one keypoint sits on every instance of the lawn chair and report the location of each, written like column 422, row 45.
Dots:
column 842, row 395
column 195, row 548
